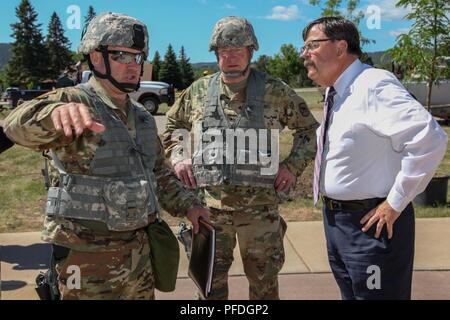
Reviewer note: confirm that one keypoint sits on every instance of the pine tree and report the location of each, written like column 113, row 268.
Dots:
column 58, row 47
column 186, row 71
column 156, row 66
column 28, row 64
column 170, row 71
column 91, row 14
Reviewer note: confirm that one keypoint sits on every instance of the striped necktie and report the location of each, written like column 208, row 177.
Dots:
column 323, row 131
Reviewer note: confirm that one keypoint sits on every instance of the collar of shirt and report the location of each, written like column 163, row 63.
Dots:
column 104, row 96
column 346, row 78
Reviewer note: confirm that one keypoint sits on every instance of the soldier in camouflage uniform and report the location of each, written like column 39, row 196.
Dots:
column 243, row 202
column 108, row 168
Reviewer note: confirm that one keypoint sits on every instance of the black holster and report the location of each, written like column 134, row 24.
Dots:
column 47, row 282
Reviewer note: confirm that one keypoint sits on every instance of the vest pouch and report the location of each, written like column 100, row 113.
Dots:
column 164, row 255
column 53, row 201
column 127, row 204
column 75, row 202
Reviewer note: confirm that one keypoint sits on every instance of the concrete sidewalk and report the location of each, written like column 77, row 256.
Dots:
column 305, row 275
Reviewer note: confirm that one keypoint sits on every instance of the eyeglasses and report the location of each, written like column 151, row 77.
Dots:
column 313, row 45
column 125, row 57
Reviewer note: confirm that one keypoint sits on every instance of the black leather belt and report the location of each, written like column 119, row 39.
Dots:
column 351, row 205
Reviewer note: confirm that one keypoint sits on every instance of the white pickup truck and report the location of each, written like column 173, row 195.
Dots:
column 150, row 94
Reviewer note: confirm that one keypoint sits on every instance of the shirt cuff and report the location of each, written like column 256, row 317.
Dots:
column 195, row 203
column 44, row 115
column 397, row 201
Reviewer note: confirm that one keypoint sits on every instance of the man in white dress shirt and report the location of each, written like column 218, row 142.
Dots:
column 377, row 149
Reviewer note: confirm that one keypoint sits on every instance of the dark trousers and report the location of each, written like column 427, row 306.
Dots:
column 366, row 267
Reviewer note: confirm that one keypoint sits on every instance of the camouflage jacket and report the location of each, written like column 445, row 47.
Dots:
column 30, row 125
column 283, row 109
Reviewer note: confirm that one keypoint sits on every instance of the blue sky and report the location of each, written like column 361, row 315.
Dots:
column 189, row 22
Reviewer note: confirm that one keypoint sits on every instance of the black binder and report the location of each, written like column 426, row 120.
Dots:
column 203, row 252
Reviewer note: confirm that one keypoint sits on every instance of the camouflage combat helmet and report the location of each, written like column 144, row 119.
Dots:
column 233, row 32
column 114, row 29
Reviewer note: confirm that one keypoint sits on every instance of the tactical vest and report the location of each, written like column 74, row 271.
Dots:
column 120, row 189
column 210, row 173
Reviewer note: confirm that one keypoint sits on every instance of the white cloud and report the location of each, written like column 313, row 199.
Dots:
column 397, row 32
column 229, row 6
column 284, row 13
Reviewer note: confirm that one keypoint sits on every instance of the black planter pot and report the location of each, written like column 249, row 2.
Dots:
column 435, row 194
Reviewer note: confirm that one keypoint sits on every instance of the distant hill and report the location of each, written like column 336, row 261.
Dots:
column 205, row 65
column 5, row 54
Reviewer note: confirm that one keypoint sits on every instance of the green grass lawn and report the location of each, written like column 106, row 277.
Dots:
column 163, row 108
column 22, row 193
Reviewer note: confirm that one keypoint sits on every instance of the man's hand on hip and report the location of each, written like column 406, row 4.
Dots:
column 74, row 116
column 384, row 214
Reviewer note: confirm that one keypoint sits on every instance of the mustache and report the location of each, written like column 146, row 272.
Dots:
column 308, row 64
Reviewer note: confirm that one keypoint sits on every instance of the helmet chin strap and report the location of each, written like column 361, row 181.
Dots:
column 125, row 87
column 235, row 74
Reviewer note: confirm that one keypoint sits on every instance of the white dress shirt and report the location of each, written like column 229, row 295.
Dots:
column 381, row 142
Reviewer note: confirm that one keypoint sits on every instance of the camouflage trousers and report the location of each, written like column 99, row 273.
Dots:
column 260, row 232
column 119, row 274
